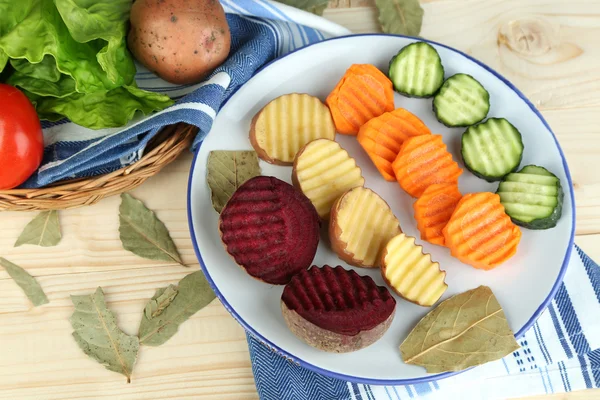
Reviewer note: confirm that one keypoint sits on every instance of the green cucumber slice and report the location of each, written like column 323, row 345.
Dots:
column 417, row 70
column 492, row 149
column 461, row 101
column 532, row 197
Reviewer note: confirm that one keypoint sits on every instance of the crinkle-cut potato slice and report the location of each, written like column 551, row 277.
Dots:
column 411, row 273
column 323, row 171
column 282, row 127
column 360, row 225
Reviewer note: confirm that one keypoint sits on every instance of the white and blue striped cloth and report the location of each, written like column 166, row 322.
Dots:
column 560, row 353
column 261, row 31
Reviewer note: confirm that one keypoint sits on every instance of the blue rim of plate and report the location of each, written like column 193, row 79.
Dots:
column 370, row 381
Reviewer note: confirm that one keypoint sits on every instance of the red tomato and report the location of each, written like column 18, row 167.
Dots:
column 21, row 139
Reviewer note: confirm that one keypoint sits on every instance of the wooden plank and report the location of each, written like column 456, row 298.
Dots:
column 579, row 137
column 358, row 20
column 350, row 3
column 207, row 357
column 90, row 234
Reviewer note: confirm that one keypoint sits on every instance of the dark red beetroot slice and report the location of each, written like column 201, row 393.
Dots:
column 335, row 309
column 270, row 229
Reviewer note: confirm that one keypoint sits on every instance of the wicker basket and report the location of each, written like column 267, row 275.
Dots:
column 161, row 150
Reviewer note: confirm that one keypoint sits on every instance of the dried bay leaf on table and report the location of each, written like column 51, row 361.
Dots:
column 97, row 334
column 466, row 330
column 28, row 283
column 402, row 17
column 227, row 171
column 193, row 294
column 313, row 6
column 43, row 230
column 160, row 301
column 143, row 234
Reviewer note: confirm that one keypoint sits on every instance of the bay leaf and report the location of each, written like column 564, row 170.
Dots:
column 313, row 6
column 26, row 282
column 193, row 294
column 43, row 230
column 97, row 334
column 227, row 171
column 402, row 17
column 143, row 234
column 466, row 330
column 161, row 299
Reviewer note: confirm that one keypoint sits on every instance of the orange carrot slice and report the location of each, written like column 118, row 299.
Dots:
column 364, row 92
column 423, row 161
column 382, row 137
column 433, row 210
column 479, row 232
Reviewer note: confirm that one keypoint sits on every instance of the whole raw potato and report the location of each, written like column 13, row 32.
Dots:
column 181, row 41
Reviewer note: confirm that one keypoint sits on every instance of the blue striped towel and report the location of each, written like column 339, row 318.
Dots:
column 261, row 31
column 560, row 353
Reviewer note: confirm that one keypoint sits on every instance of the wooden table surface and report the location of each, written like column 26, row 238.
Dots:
column 548, row 48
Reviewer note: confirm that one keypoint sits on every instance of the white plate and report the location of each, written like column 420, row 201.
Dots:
column 523, row 285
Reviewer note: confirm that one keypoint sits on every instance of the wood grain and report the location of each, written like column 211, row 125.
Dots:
column 548, row 48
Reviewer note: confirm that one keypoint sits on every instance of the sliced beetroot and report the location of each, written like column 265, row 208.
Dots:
column 339, row 301
column 270, row 229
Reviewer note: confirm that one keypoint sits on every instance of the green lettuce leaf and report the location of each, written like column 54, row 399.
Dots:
column 99, row 110
column 43, row 78
column 12, row 14
column 64, row 87
column 45, row 70
column 3, row 60
column 7, row 22
column 42, row 31
column 89, row 20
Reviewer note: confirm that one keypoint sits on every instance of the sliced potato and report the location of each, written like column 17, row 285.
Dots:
column 323, row 171
column 282, row 127
column 411, row 273
column 360, row 225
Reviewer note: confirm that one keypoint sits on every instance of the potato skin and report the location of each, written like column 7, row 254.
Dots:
column 335, row 233
column 295, row 181
column 260, row 152
column 333, row 342
column 181, row 41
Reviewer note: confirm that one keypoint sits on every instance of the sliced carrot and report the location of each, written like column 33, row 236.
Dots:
column 364, row 92
column 423, row 161
column 382, row 137
column 433, row 210
column 479, row 232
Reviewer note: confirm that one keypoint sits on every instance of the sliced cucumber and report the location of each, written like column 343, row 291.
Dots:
column 461, row 101
column 492, row 149
column 417, row 70
column 532, row 197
